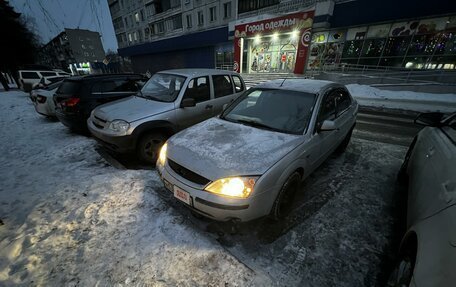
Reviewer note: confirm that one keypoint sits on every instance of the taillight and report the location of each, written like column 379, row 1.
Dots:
column 71, row 102
column 41, row 99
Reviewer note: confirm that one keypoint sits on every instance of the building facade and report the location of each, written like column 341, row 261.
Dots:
column 281, row 36
column 73, row 49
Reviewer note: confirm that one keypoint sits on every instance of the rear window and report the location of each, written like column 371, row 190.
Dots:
column 69, row 87
column 48, row 74
column 112, row 86
column 53, row 86
column 30, row 75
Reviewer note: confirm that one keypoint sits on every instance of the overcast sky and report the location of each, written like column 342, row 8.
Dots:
column 52, row 16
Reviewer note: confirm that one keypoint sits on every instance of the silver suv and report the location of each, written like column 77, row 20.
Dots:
column 170, row 101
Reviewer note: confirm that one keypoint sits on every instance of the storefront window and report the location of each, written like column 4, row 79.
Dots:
column 272, row 55
column 373, row 48
column 397, row 46
column 352, row 49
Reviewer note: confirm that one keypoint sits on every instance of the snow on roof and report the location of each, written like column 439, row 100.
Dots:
column 301, row 85
column 198, row 72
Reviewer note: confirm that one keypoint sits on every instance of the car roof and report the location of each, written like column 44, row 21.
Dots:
column 300, row 85
column 198, row 72
column 102, row 76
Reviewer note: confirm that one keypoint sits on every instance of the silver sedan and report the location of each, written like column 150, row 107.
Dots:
column 249, row 161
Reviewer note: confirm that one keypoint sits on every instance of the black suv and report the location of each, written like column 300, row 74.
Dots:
column 78, row 96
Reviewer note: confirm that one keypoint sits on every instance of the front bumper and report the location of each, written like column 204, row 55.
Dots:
column 119, row 144
column 213, row 206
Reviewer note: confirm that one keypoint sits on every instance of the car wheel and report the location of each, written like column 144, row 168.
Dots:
column 343, row 145
column 149, row 147
column 284, row 201
column 402, row 274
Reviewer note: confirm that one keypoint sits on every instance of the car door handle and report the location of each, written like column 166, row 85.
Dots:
column 209, row 107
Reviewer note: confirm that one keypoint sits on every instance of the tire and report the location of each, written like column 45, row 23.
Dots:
column 401, row 276
column 343, row 145
column 284, row 201
column 149, row 146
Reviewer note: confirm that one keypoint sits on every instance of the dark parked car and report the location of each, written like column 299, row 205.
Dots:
column 78, row 96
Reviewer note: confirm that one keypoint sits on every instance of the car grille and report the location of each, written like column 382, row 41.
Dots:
column 187, row 174
column 98, row 122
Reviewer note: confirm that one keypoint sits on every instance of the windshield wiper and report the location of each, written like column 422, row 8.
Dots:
column 257, row 124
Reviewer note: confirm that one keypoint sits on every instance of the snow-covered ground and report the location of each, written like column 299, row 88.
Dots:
column 70, row 219
column 403, row 100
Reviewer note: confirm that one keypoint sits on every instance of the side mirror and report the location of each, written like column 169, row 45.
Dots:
column 429, row 119
column 224, row 107
column 189, row 102
column 327, row 126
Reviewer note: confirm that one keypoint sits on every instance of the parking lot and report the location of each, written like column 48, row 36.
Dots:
column 71, row 218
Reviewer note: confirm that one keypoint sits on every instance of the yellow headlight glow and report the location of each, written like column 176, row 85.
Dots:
column 162, row 155
column 240, row 187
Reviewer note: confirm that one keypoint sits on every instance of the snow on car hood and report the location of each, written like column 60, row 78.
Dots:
column 217, row 148
column 131, row 109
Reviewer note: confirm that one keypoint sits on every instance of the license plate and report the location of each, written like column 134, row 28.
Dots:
column 182, row 195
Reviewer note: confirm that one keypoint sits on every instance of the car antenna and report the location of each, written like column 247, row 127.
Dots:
column 286, row 77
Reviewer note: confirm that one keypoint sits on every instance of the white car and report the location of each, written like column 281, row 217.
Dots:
column 427, row 254
column 43, row 99
column 249, row 162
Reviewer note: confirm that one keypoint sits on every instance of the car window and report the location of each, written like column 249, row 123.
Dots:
column 69, row 87
column 48, row 74
column 198, row 89
column 114, row 86
column 343, row 101
column 30, row 75
column 238, row 85
column 53, row 86
column 222, row 85
column 279, row 110
column 328, row 107
column 163, row 87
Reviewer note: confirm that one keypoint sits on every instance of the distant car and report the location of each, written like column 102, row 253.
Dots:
column 169, row 102
column 46, row 81
column 427, row 254
column 43, row 99
column 29, row 78
column 78, row 96
column 250, row 161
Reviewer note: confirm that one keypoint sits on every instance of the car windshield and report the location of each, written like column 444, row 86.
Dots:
column 277, row 110
column 163, row 87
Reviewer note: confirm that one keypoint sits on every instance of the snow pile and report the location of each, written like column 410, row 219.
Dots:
column 405, row 100
column 71, row 219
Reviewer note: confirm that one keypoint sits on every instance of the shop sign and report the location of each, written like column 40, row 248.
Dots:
column 379, row 31
column 429, row 26
column 296, row 21
column 403, row 28
column 358, row 33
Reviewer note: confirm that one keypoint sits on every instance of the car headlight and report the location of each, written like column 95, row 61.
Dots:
column 119, row 126
column 239, row 187
column 162, row 155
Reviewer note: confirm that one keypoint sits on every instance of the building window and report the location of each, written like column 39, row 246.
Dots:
column 189, row 21
column 150, row 9
column 126, row 21
column 135, row 36
column 251, row 5
column 161, row 27
column 137, row 17
column 200, row 18
column 227, row 10
column 142, row 14
column 213, row 14
column 176, row 21
column 130, row 38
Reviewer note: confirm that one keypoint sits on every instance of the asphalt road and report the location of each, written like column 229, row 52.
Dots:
column 387, row 126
